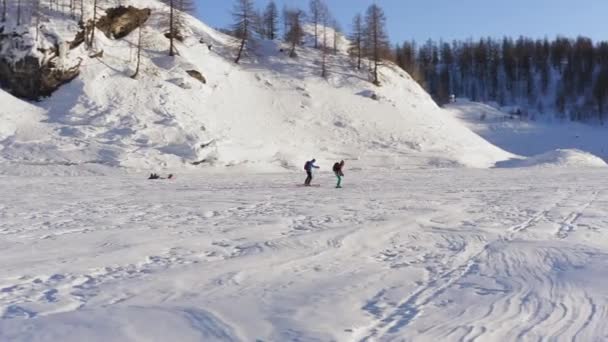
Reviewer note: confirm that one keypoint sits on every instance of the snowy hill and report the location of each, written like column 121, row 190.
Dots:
column 269, row 113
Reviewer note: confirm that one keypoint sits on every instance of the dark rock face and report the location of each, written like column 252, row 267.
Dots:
column 28, row 79
column 120, row 21
column 176, row 35
column 197, row 75
column 79, row 39
column 17, row 78
column 52, row 78
column 32, row 77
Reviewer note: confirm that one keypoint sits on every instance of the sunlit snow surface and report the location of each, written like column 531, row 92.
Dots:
column 422, row 255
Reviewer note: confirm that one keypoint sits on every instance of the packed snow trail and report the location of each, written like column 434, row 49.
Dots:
column 421, row 255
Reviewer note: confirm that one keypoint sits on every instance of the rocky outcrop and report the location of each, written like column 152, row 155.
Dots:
column 120, row 21
column 31, row 72
column 197, row 75
column 78, row 39
column 176, row 35
column 27, row 78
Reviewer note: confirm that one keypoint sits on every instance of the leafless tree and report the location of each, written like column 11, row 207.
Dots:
column 92, row 38
column 356, row 39
column 37, row 16
column 324, row 46
column 271, row 20
column 376, row 38
column 3, row 11
column 336, row 27
column 176, row 20
column 18, row 12
column 295, row 32
column 141, row 34
column 317, row 7
column 243, row 15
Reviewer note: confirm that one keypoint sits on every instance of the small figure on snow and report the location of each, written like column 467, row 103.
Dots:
column 338, row 172
column 156, row 176
column 308, row 167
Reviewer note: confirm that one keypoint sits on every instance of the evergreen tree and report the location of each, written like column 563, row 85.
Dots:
column 600, row 92
column 445, row 77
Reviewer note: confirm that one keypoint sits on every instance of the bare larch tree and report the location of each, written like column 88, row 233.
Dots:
column 356, row 40
column 176, row 21
column 3, row 11
column 376, row 38
column 271, row 20
column 243, row 15
column 295, row 32
column 141, row 34
column 317, row 7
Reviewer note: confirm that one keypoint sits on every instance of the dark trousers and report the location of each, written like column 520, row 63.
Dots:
column 308, row 178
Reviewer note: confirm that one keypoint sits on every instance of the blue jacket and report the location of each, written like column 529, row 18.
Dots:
column 310, row 165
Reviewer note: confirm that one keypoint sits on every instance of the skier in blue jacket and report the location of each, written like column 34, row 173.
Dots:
column 308, row 167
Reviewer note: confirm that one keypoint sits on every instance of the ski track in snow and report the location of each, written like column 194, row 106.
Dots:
column 452, row 255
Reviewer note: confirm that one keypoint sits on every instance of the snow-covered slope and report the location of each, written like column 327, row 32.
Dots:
column 269, row 114
column 529, row 138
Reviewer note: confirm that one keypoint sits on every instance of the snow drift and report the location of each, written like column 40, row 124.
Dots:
column 530, row 137
column 557, row 158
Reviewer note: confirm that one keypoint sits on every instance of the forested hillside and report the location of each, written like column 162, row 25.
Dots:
column 565, row 78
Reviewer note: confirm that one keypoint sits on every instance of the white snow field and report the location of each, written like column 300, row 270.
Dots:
column 442, row 232
column 418, row 255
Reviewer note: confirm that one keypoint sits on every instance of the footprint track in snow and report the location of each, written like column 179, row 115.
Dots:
column 31, row 296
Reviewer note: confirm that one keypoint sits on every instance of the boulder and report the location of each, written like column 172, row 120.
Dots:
column 32, row 79
column 176, row 35
column 120, row 21
column 197, row 75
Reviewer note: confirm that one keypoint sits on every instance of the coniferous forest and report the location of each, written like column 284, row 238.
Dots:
column 565, row 78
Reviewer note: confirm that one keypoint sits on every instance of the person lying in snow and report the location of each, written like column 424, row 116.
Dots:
column 156, row 176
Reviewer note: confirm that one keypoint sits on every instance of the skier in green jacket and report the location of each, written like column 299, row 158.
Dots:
column 338, row 172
